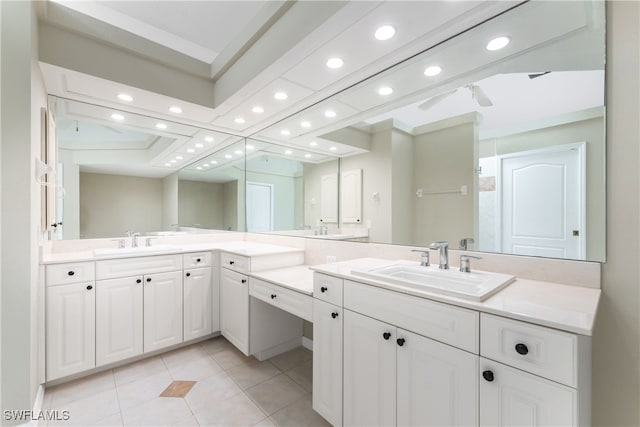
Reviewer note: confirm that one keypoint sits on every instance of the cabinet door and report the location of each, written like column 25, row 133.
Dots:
column 70, row 329
column 351, row 196
column 437, row 384
column 234, row 296
column 369, row 371
column 510, row 397
column 162, row 310
column 329, row 198
column 197, row 303
column 327, row 361
column 118, row 319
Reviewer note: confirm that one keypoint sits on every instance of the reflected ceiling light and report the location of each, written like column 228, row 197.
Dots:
column 288, row 152
column 161, row 126
column 125, row 97
column 308, row 156
column 199, row 145
column 249, row 147
column 257, row 109
column 118, row 117
column 385, row 90
column 330, row 114
column 238, row 151
column 206, row 165
column 239, row 120
column 168, row 164
column 175, row 109
column 433, row 70
column 332, row 148
column 207, row 139
column 335, row 63
column 214, row 162
column 313, row 143
column 285, row 132
column 498, row 43
column 173, row 161
column 228, row 156
column 190, row 150
column 305, row 124
column 179, row 157
column 385, row 32
column 199, row 168
column 280, row 96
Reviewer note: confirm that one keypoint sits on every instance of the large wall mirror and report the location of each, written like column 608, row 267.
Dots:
column 498, row 150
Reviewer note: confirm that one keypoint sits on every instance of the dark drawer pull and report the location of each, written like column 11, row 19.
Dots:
column 244, row 280
column 386, row 335
column 488, row 375
column 400, row 341
column 139, row 281
column 273, row 296
column 148, row 279
column 334, row 314
column 522, row 349
column 71, row 273
column 188, row 274
column 231, row 262
column 89, row 287
column 198, row 260
column 323, row 289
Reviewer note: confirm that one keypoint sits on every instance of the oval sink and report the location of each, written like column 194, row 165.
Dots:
column 142, row 250
column 476, row 286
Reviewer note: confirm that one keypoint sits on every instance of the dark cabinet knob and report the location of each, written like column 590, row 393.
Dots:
column 188, row 274
column 198, row 260
column 244, row 280
column 357, row 220
column 231, row 262
column 71, row 273
column 273, row 296
column 139, row 281
column 386, row 335
column 487, row 375
column 89, row 287
column 522, row 349
column 148, row 279
column 334, row 314
column 323, row 289
column 400, row 341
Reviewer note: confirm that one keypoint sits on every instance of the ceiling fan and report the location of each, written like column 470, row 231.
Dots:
column 477, row 94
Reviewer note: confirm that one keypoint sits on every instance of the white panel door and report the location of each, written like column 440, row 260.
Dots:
column 329, row 198
column 369, row 371
column 437, row 384
column 118, row 319
column 510, row 397
column 327, row 361
column 351, row 197
column 234, row 308
column 259, row 207
column 70, row 329
column 197, row 303
column 162, row 310
column 543, row 203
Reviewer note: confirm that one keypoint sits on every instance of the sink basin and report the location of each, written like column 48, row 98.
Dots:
column 475, row 286
column 142, row 250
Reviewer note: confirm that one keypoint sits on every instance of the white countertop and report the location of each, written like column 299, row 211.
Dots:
column 236, row 247
column 564, row 307
column 298, row 278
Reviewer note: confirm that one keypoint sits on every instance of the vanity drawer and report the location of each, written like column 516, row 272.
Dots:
column 196, row 260
column 123, row 267
column 239, row 263
column 451, row 325
column 327, row 288
column 542, row 351
column 61, row 274
column 293, row 302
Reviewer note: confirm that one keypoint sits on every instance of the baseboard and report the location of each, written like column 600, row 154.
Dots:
column 278, row 349
column 307, row 343
column 37, row 407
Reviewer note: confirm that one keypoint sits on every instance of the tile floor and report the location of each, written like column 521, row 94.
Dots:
column 230, row 390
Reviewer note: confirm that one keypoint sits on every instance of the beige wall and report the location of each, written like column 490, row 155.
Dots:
column 616, row 340
column 403, row 191
column 169, row 201
column 201, row 204
column 231, row 212
column 112, row 204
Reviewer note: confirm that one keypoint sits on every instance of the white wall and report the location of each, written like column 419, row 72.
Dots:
column 71, row 200
column 285, row 198
column 169, row 201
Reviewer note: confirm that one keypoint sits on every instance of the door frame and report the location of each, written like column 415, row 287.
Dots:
column 261, row 184
column 581, row 148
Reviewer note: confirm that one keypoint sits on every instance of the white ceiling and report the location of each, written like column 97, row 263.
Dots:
column 198, row 29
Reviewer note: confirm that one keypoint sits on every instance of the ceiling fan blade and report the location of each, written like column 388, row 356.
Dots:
column 429, row 103
column 480, row 96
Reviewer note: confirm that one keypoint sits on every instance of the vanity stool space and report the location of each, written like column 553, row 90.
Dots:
column 385, row 356
column 109, row 310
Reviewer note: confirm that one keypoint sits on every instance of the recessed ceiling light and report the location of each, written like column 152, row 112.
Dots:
column 228, row 156
column 214, row 162
column 433, row 70
column 385, row 90
column 249, row 147
column 335, row 63
column 179, row 157
column 199, row 145
column 305, row 124
column 199, row 168
column 168, row 164
column 308, row 156
column 173, row 161
column 208, row 139
column 239, row 120
column 206, row 165
column 238, row 151
column 385, row 32
column 498, row 43
column 313, row 143
column 332, row 148
column 118, row 117
column 330, row 114
column 175, row 109
column 288, row 152
column 190, row 150
column 257, row 109
column 280, row 96
column 161, row 126
column 125, row 97
column 285, row 132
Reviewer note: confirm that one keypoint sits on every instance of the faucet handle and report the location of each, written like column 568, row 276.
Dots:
column 465, row 262
column 424, row 256
column 120, row 242
column 148, row 241
column 465, row 241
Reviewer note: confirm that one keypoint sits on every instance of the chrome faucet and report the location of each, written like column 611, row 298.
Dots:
column 464, row 242
column 443, row 247
column 134, row 240
column 424, row 256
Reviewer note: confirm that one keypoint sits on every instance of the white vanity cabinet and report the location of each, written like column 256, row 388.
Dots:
column 199, row 296
column 234, row 312
column 70, row 317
